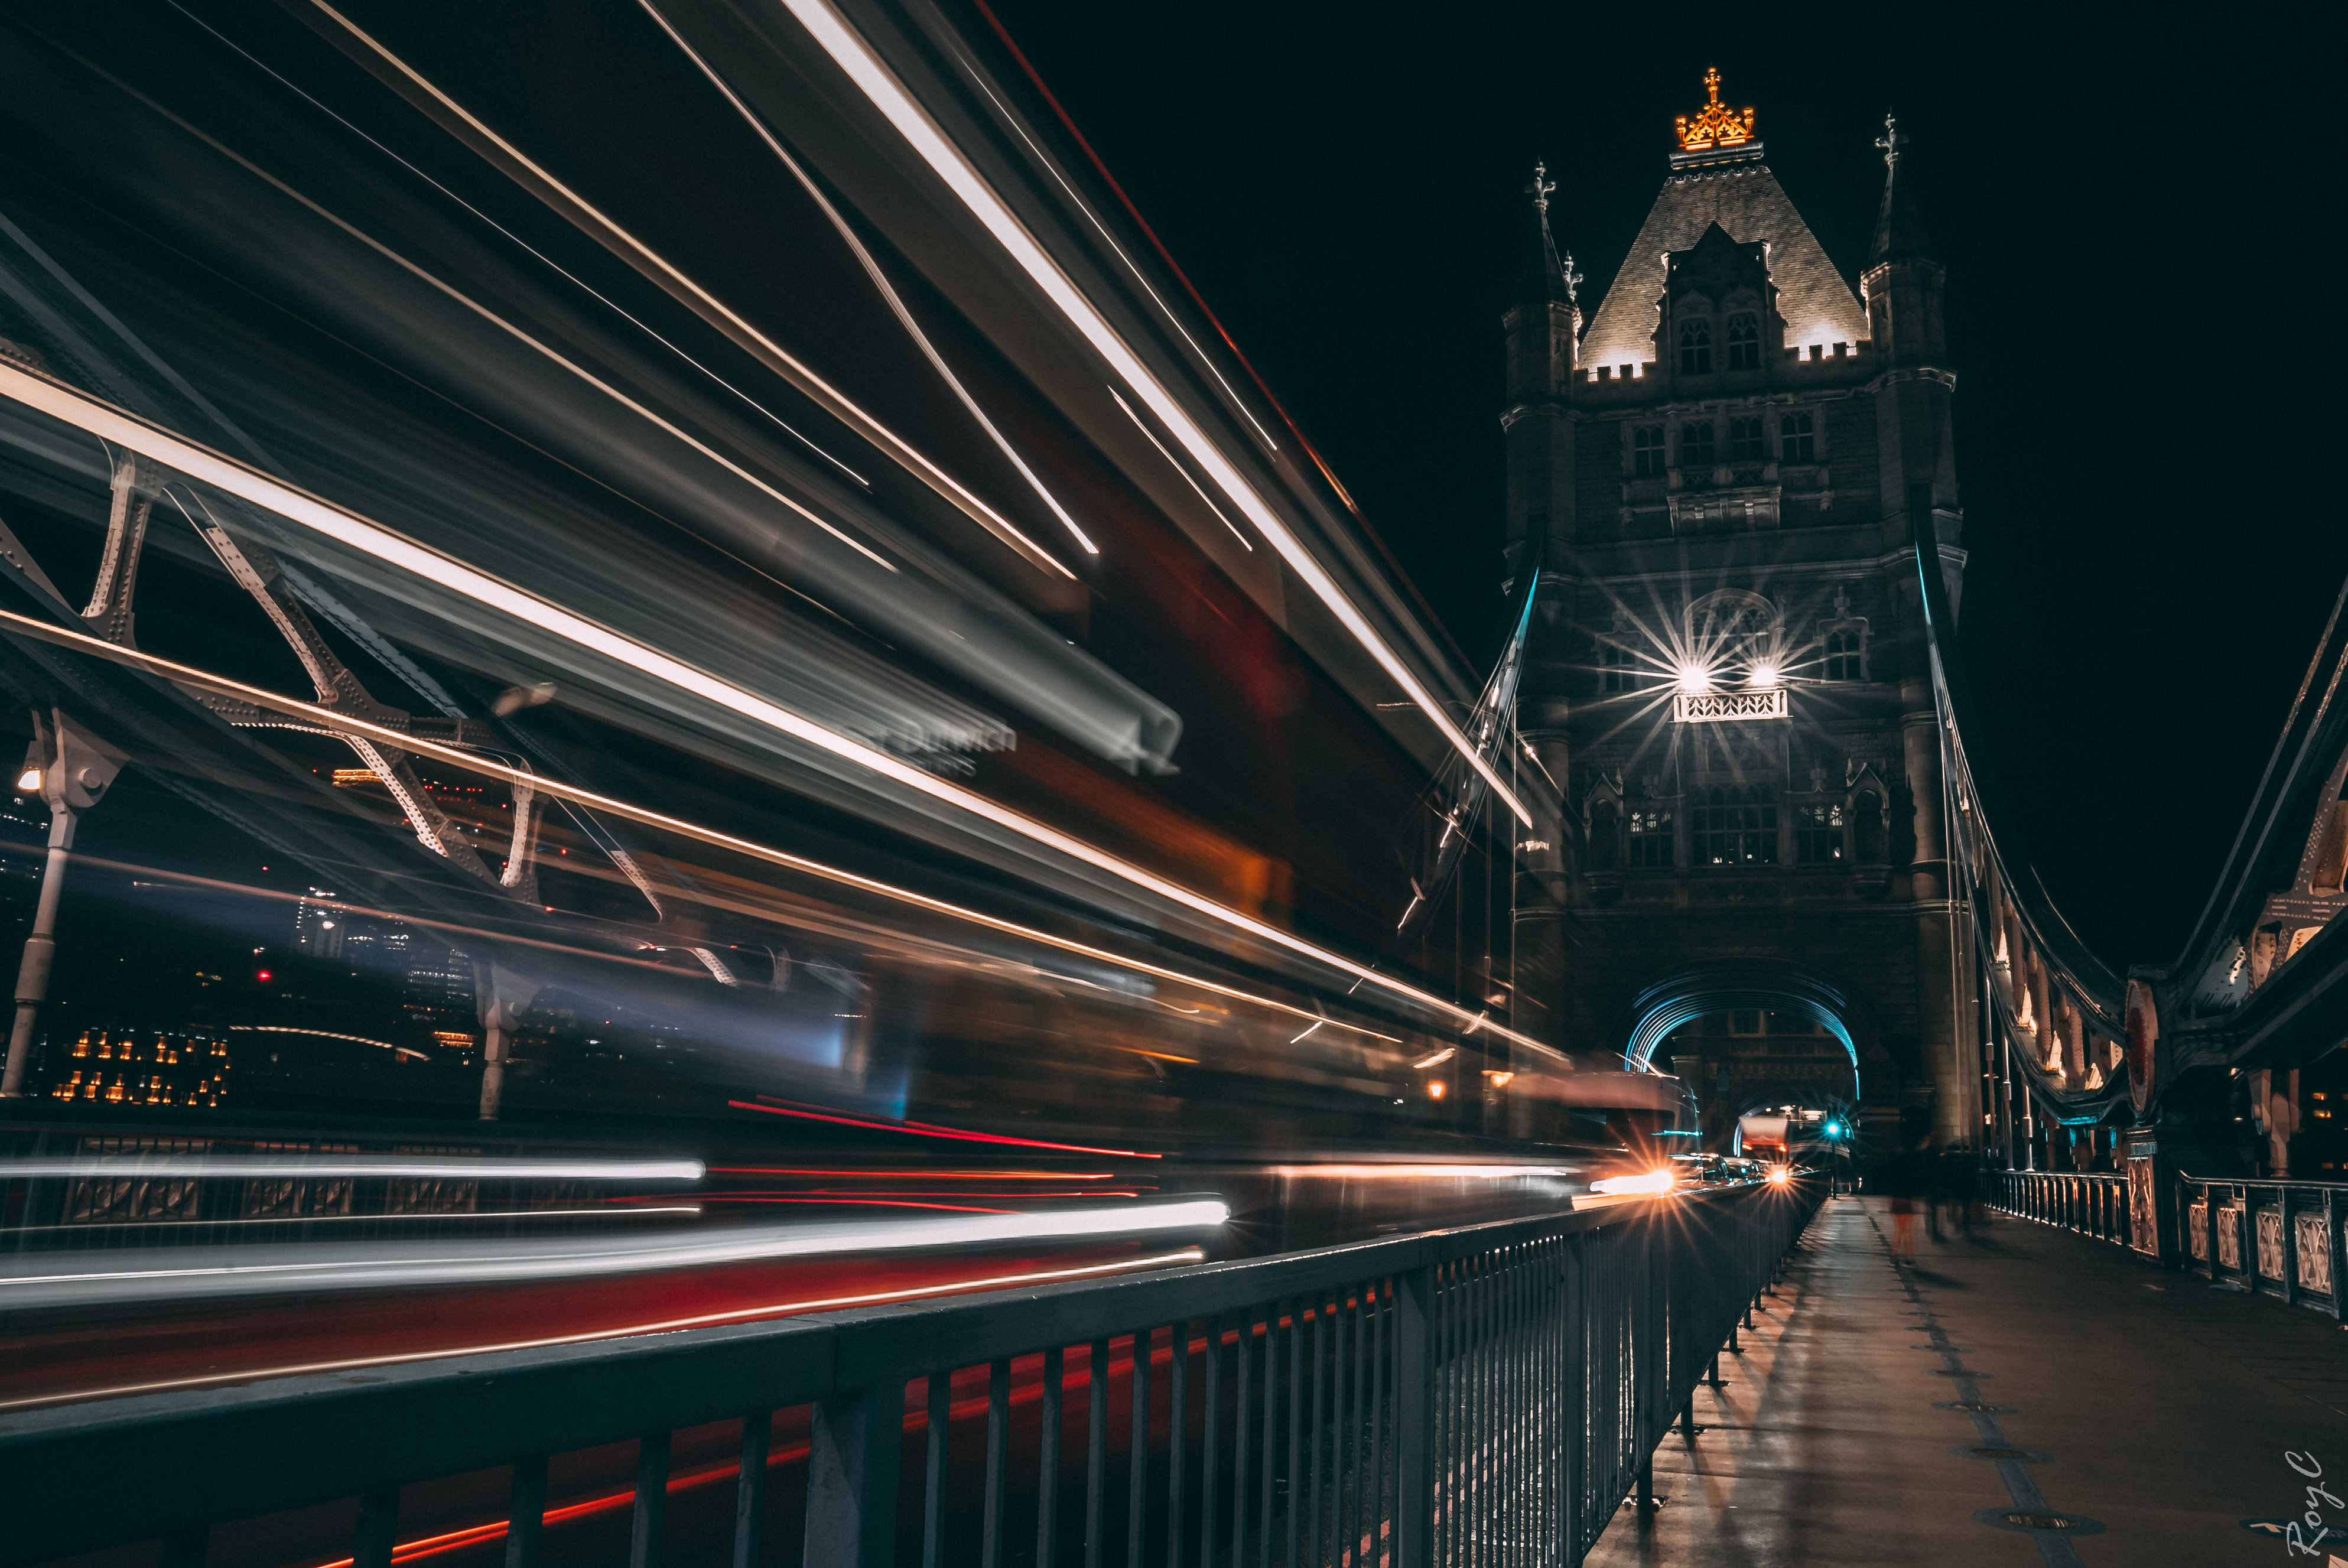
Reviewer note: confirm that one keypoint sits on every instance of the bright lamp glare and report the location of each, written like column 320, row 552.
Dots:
column 1695, row 677
column 1779, row 1174
column 1652, row 1181
column 29, row 779
column 1765, row 675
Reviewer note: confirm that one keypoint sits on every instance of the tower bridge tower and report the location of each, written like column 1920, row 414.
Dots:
column 1721, row 471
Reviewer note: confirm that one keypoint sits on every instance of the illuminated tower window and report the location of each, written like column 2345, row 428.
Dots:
column 1696, row 444
column 1736, row 826
column 1695, row 347
column 1647, row 451
column 1795, row 439
column 1651, row 840
column 1747, row 444
column 1818, row 834
column 1745, row 341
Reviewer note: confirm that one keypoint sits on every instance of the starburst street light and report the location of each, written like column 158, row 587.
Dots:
column 1694, row 679
column 1765, row 676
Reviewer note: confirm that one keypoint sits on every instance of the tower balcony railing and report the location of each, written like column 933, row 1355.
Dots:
column 1728, row 706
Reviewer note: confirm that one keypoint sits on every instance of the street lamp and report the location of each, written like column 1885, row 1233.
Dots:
column 72, row 769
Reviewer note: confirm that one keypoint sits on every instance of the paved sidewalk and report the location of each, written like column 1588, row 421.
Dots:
column 2153, row 1411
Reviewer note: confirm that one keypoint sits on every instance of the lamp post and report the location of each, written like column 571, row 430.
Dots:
column 72, row 769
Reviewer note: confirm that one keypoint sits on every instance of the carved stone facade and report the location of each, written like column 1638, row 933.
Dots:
column 1721, row 479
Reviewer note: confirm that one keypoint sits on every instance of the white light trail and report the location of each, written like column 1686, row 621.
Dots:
column 371, row 539
column 836, row 402
column 188, row 675
column 665, row 1326
column 351, row 1265
column 880, row 279
column 1178, row 469
column 455, row 1167
column 849, row 50
column 1413, row 1172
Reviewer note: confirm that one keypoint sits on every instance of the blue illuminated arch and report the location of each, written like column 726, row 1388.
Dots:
column 1690, row 994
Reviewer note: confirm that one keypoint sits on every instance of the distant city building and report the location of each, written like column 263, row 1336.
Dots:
column 319, row 928
column 440, row 990
column 187, row 1068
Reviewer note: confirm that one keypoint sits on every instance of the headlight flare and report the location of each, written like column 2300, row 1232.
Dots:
column 1649, row 1182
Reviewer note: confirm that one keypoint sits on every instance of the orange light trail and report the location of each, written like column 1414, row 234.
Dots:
column 927, row 1130
column 882, row 1202
column 924, row 1175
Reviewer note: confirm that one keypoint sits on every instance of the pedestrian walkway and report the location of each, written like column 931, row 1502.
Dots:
column 2023, row 1376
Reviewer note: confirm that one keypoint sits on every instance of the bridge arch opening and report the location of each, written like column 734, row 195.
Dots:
column 1673, row 1003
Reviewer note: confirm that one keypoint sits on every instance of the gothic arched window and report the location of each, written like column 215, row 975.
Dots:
column 1745, row 341
column 1647, row 451
column 1615, row 668
column 1798, row 445
column 1746, row 442
column 1695, row 442
column 1695, row 346
column 1846, row 656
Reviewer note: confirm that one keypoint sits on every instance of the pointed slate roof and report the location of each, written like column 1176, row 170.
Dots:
column 1744, row 199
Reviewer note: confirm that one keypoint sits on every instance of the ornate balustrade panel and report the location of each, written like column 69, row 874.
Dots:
column 2282, row 1239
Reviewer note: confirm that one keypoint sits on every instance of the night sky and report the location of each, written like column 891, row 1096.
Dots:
column 2122, row 213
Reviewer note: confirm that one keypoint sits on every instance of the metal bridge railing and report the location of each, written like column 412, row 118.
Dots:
column 2277, row 1238
column 2092, row 1203
column 1479, row 1395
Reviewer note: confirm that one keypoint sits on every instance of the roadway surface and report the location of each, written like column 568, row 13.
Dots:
column 2159, row 1413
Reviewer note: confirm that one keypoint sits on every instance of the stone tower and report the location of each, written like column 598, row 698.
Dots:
column 1721, row 475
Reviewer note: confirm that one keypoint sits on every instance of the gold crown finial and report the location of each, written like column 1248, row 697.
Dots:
column 1717, row 126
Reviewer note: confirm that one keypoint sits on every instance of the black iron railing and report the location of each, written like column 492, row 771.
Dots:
column 1479, row 1395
